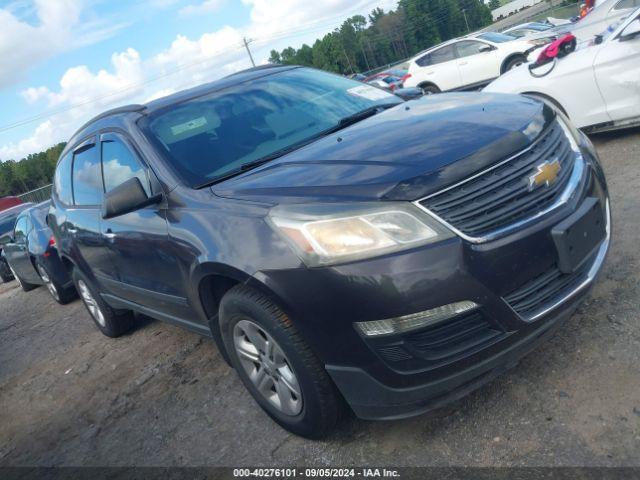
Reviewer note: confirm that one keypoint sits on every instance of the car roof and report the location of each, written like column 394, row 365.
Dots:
column 136, row 110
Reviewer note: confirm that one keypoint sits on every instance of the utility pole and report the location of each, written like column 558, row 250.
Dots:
column 348, row 61
column 366, row 61
column 464, row 14
column 246, row 45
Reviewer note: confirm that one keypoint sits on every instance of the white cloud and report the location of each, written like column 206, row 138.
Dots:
column 202, row 8
column 184, row 63
column 58, row 27
column 45, row 135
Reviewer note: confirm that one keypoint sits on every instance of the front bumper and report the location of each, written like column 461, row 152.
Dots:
column 408, row 374
column 373, row 400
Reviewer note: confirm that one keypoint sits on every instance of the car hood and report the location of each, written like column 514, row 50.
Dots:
column 403, row 153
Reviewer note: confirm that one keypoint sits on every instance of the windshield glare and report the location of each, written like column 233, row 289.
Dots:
column 216, row 134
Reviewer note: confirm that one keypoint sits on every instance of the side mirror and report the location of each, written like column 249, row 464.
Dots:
column 127, row 197
column 630, row 31
column 485, row 48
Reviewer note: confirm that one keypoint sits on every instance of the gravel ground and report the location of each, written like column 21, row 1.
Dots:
column 163, row 396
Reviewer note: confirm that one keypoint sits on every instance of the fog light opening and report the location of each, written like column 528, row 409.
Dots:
column 414, row 321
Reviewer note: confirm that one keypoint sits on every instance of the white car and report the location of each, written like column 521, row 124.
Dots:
column 605, row 13
column 597, row 86
column 466, row 62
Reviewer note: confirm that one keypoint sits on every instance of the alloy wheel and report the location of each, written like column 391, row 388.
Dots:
column 267, row 367
column 48, row 283
column 91, row 303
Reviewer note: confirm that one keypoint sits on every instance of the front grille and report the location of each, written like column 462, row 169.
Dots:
column 500, row 196
column 545, row 290
column 439, row 344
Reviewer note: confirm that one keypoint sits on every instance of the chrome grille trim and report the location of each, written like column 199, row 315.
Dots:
column 577, row 174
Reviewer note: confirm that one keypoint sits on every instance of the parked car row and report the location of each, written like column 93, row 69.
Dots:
column 467, row 63
column 333, row 262
column 597, row 86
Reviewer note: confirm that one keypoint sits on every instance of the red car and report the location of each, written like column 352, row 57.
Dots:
column 8, row 202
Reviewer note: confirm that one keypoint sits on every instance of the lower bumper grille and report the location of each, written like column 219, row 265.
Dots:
column 545, row 289
column 440, row 344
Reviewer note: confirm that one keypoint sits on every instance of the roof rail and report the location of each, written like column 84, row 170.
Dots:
column 134, row 107
column 266, row 66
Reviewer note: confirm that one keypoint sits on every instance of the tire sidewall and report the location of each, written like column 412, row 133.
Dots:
column 235, row 308
column 115, row 324
column 512, row 63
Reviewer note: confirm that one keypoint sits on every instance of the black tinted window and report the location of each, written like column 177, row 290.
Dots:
column 62, row 180
column 444, row 54
column 119, row 164
column 469, row 48
column 87, row 178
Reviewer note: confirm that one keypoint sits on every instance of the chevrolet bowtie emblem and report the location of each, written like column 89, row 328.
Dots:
column 546, row 173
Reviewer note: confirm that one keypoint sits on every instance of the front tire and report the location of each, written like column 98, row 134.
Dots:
column 276, row 365
column 429, row 89
column 109, row 321
column 514, row 62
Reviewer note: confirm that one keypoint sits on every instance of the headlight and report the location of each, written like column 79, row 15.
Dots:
column 324, row 234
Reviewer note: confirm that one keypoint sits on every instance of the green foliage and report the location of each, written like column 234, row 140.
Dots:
column 34, row 171
column 362, row 44
column 493, row 4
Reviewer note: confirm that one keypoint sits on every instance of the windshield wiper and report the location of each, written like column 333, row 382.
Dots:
column 343, row 123
column 361, row 115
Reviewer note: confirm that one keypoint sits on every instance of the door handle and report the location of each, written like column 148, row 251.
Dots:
column 72, row 230
column 463, row 63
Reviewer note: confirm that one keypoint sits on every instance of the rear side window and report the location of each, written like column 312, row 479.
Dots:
column 469, row 48
column 87, row 177
column 424, row 61
column 62, row 180
column 119, row 164
column 444, row 54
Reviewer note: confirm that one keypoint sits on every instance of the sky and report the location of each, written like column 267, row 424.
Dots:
column 63, row 61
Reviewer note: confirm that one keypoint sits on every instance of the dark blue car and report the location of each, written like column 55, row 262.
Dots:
column 8, row 219
column 31, row 253
column 334, row 262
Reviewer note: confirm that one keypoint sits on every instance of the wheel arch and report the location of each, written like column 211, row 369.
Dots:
column 549, row 99
column 506, row 61
column 428, row 83
column 214, row 281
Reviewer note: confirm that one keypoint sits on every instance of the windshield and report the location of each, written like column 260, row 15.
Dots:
column 540, row 27
column 611, row 28
column 496, row 37
column 216, row 134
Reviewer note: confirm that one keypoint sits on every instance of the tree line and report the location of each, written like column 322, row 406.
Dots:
column 361, row 44
column 34, row 171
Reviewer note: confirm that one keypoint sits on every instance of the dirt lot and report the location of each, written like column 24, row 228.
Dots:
column 163, row 396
